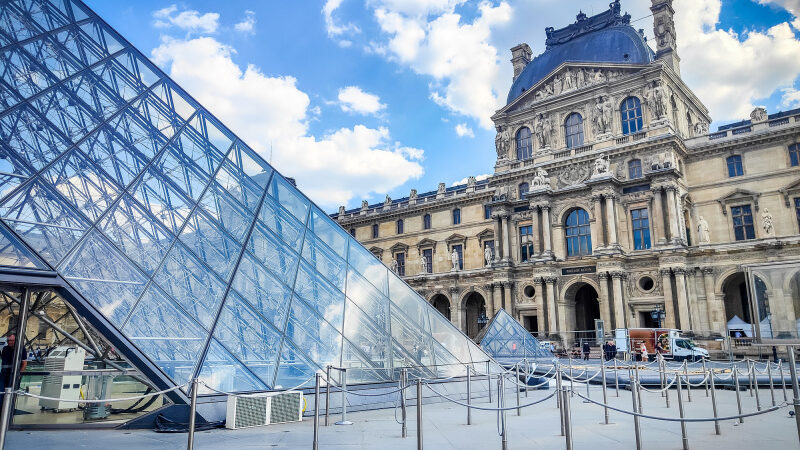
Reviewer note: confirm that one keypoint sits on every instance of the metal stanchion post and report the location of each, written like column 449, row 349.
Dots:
column 771, row 384
column 344, row 420
column 795, row 388
column 738, row 394
column 750, row 375
column 571, row 382
column 501, row 403
column 661, row 375
column 605, row 394
column 419, row 413
column 315, row 445
column 469, row 396
column 666, row 381
column 516, row 388
column 5, row 415
column 616, row 377
column 567, row 420
column 636, row 429
column 560, row 398
column 638, row 389
column 489, row 381
column 327, row 395
column 403, row 386
column 684, row 438
column 192, row 413
column 714, row 400
column 527, row 377
column 705, row 372
column 783, row 381
column 688, row 386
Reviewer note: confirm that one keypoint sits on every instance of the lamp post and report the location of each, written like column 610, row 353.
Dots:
column 658, row 315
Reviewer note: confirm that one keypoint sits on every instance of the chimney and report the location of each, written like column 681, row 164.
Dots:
column 520, row 57
column 664, row 30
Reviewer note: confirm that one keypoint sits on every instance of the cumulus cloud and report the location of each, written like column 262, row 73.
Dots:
column 248, row 24
column 353, row 99
column 790, row 98
column 793, row 6
column 463, row 130
column 271, row 112
column 465, row 179
column 335, row 29
column 189, row 20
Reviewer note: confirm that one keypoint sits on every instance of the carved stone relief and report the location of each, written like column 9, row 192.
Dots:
column 573, row 175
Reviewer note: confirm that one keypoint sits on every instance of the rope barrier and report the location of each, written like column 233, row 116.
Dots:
column 658, row 391
column 482, row 408
column 101, row 400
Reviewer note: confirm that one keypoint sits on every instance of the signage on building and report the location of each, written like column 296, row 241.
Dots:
column 578, row 270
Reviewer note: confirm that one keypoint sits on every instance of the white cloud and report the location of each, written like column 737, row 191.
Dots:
column 465, row 179
column 248, row 24
column 336, row 30
column 353, row 99
column 189, row 20
column 272, row 112
column 790, row 98
column 793, row 6
column 463, row 130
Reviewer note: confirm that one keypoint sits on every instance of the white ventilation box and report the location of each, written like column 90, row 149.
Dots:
column 244, row 411
column 63, row 387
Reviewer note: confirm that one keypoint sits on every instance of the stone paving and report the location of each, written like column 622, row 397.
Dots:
column 444, row 427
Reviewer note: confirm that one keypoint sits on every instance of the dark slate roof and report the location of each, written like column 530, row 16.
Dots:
column 777, row 115
column 604, row 38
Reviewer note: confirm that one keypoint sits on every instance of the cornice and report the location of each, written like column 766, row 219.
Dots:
column 398, row 213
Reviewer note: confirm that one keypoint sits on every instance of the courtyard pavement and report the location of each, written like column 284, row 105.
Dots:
column 444, row 427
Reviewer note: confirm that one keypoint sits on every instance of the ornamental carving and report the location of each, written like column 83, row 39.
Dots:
column 572, row 79
column 573, row 175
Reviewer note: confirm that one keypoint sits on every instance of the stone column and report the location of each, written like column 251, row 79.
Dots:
column 538, row 300
column 506, row 238
column 456, row 312
column 674, row 234
column 512, row 301
column 548, row 250
column 551, row 304
column 715, row 306
column 537, row 243
column 599, row 237
column 497, row 245
column 611, row 221
column 684, row 315
column 669, row 307
column 491, row 308
column 605, row 307
column 619, row 308
column 659, row 237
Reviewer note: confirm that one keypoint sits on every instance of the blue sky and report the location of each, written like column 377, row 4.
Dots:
column 357, row 99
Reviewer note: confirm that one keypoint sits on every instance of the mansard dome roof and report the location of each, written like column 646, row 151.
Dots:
column 604, row 38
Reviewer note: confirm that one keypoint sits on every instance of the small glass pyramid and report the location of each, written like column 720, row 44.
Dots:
column 506, row 340
column 197, row 251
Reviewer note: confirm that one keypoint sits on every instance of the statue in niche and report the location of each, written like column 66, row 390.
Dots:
column 569, row 81
column 423, row 264
column 454, row 259
column 601, row 165
column 601, row 116
column 656, row 99
column 558, row 84
column 767, row 223
column 541, row 179
column 501, row 141
column 488, row 256
column 703, row 230
column 543, row 130
column 394, row 265
column 608, row 111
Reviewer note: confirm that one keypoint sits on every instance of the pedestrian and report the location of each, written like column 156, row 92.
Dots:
column 7, row 361
column 645, row 357
column 586, row 350
column 613, row 350
column 605, row 351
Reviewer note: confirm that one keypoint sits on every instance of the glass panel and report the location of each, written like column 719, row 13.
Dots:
column 112, row 154
column 182, row 172
column 262, row 289
column 409, row 303
column 219, row 137
column 13, row 253
column 314, row 337
column 329, row 232
column 221, row 371
column 251, row 164
column 12, row 172
column 88, row 189
column 283, row 224
column 374, row 345
column 368, row 265
column 210, row 244
column 368, row 299
column 288, row 196
column 164, row 333
column 193, row 286
column 359, row 368
column 142, row 238
column 70, row 116
column 104, row 277
column 415, row 345
column 321, row 295
column 225, row 210
column 294, row 370
column 163, row 200
column 248, row 337
column 449, row 337
column 22, row 74
column 32, row 139
column 40, row 218
column 324, row 261
column 239, row 186
column 269, row 250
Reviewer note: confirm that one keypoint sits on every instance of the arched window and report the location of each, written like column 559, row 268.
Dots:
column 635, row 169
column 574, row 130
column 523, row 189
column 631, row 112
column 400, row 226
column 579, row 236
column 426, row 222
column 524, row 149
column 456, row 216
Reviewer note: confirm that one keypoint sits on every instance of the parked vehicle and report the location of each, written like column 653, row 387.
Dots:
column 672, row 344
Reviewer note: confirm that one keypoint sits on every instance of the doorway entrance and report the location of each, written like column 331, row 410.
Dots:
column 474, row 306
column 442, row 304
column 587, row 309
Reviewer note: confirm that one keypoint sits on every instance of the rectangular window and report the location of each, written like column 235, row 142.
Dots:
column 797, row 209
column 456, row 216
column 460, row 252
column 401, row 264
column 487, row 212
column 427, row 255
column 794, row 154
column 374, row 231
column 743, row 222
column 735, row 168
column 525, row 243
column 635, row 169
column 641, row 229
column 426, row 222
column 400, row 226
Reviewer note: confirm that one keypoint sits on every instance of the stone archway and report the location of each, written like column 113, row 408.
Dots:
column 442, row 304
column 737, row 300
column 583, row 307
column 472, row 307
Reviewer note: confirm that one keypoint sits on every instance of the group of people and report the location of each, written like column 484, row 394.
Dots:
column 609, row 350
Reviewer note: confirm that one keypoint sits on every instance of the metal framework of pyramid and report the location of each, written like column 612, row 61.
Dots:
column 176, row 236
column 505, row 339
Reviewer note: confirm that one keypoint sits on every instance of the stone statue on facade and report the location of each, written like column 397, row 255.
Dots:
column 501, row 142
column 471, row 181
column 423, row 264
column 656, row 100
column 601, row 117
column 580, row 78
column 569, row 80
column 703, row 230
column 601, row 165
column 767, row 223
column 488, row 256
column 543, row 131
column 441, row 189
column 388, row 201
column 700, row 128
column 364, row 205
column 558, row 85
column 394, row 266
column 454, row 259
column 758, row 115
column 412, row 197
column 341, row 211
column 541, row 179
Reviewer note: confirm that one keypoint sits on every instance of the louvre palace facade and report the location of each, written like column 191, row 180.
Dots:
column 610, row 199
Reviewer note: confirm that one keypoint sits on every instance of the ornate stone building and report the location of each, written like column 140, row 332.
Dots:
column 609, row 198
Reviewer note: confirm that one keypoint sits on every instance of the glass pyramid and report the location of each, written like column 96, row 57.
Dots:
column 198, row 252
column 506, row 340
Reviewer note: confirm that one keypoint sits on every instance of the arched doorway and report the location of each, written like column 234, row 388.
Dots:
column 474, row 305
column 442, row 304
column 736, row 298
column 587, row 309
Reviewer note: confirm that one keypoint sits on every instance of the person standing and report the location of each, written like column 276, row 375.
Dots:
column 586, row 350
column 7, row 364
column 645, row 357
